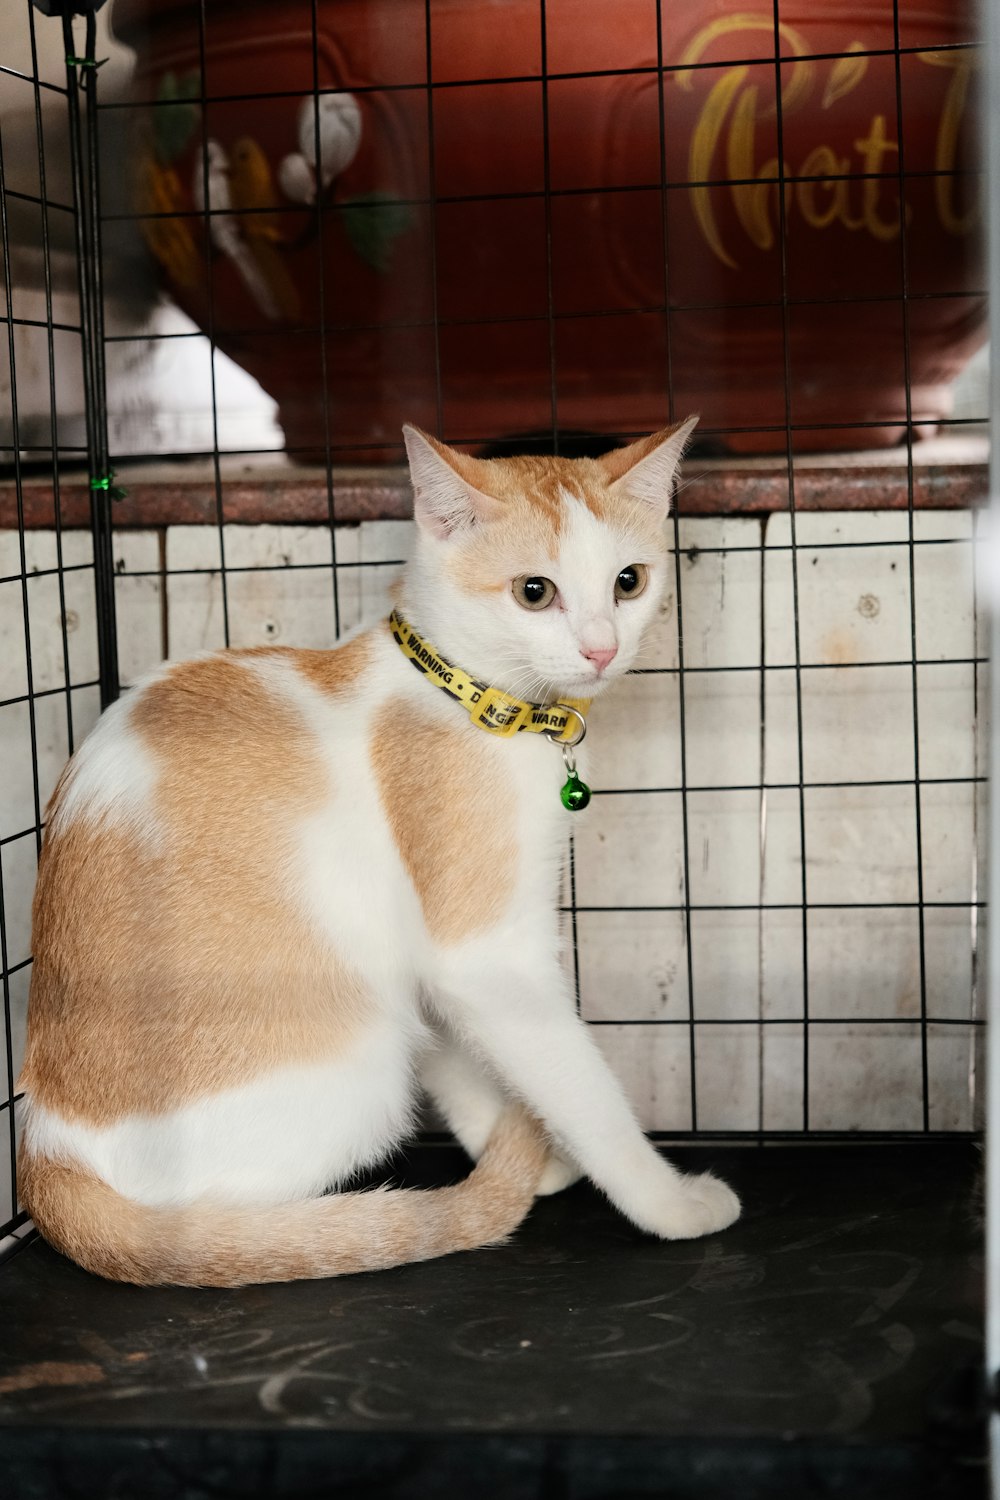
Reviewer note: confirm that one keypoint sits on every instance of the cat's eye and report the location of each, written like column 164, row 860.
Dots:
column 631, row 581
column 533, row 592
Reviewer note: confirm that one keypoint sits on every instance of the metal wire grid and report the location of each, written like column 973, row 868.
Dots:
column 9, row 1217
column 991, row 573
column 688, row 784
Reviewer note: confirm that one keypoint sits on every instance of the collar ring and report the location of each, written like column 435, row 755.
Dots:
column 558, row 737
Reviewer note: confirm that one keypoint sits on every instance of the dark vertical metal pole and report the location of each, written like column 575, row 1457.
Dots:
column 84, row 151
column 53, row 404
column 432, row 212
column 794, row 556
column 220, row 518
column 904, row 272
column 324, row 319
column 672, row 415
column 990, row 562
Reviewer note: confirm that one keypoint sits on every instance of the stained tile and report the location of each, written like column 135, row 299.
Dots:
column 943, row 585
column 853, row 600
column 629, row 851
column 865, row 1077
column 654, row 1065
column 951, row 1076
column 864, row 963
column 139, row 603
column 18, row 864
column 857, row 724
column 724, row 848
column 279, row 592
column 861, row 844
column 721, row 569
column 633, row 965
column 949, row 967
column 727, row 1076
column 946, row 706
column 633, row 738
column 948, row 839
column 725, row 948
column 783, row 1076
column 722, row 716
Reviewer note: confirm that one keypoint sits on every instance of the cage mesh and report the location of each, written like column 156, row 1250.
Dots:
column 796, row 794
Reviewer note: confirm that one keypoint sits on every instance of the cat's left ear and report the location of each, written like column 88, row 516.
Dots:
column 646, row 469
column 446, row 494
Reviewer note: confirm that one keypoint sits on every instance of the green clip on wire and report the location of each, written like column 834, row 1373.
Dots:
column 114, row 491
column 84, row 62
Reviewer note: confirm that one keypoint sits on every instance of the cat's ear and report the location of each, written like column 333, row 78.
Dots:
column 445, row 495
column 646, row 469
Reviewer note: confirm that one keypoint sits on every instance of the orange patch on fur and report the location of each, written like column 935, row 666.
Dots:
column 331, row 671
column 172, row 967
column 539, row 482
column 528, row 530
column 449, row 813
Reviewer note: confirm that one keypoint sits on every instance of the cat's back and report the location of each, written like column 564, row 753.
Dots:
column 173, row 884
column 178, row 821
column 210, row 737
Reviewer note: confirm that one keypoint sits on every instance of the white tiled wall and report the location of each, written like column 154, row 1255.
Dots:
column 716, row 1038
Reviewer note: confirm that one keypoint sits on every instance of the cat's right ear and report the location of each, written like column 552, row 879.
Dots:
column 645, row 470
column 446, row 499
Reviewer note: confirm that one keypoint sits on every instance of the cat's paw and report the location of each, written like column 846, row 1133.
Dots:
column 698, row 1205
column 558, row 1174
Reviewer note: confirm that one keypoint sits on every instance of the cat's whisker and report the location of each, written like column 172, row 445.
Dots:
column 646, row 650
column 524, row 679
column 691, row 479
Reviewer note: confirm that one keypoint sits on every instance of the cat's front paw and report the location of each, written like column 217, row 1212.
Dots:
column 697, row 1205
column 557, row 1174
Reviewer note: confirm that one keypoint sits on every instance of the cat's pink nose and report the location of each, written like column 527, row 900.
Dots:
column 601, row 658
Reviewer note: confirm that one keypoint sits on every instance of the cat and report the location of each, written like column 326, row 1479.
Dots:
column 282, row 891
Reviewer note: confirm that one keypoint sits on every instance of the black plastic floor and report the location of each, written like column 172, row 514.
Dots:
column 817, row 1348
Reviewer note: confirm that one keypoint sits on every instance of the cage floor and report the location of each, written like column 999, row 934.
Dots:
column 817, row 1348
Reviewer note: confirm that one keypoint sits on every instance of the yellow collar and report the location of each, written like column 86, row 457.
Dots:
column 489, row 708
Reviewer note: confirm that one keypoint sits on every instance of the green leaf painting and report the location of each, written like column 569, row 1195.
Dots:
column 374, row 221
column 176, row 114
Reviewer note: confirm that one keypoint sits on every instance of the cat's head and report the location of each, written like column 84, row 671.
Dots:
column 540, row 575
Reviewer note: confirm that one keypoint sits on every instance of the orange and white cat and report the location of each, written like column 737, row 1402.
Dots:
column 283, row 891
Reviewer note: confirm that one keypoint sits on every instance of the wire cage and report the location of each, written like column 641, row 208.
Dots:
column 773, row 907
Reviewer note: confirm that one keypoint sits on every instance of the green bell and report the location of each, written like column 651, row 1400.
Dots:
column 575, row 793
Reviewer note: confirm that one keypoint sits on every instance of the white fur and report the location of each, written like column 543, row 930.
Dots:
column 349, row 863
column 470, row 1097
column 288, row 1134
column 112, row 775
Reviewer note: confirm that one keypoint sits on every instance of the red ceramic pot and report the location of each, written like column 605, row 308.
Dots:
column 499, row 254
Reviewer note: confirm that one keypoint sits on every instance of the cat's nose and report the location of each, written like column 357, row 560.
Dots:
column 601, row 659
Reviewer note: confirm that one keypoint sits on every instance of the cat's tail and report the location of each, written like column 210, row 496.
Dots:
column 221, row 1245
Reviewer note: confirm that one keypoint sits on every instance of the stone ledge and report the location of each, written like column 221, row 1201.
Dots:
column 949, row 473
